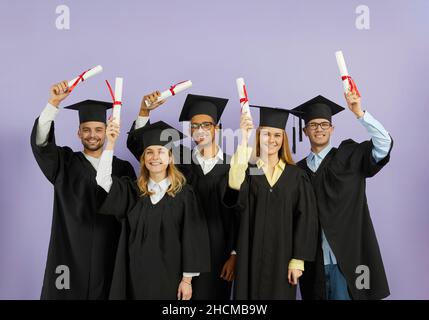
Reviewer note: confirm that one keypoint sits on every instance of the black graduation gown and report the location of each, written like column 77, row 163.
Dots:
column 80, row 239
column 222, row 222
column 158, row 243
column 277, row 224
column 339, row 185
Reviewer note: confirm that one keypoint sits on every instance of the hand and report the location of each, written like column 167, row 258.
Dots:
column 112, row 133
column 293, row 276
column 152, row 98
column 353, row 102
column 184, row 292
column 228, row 270
column 58, row 93
column 246, row 124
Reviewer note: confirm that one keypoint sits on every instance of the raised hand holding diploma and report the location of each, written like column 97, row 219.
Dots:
column 117, row 98
column 83, row 76
column 354, row 103
column 348, row 83
column 58, row 93
column 154, row 102
column 112, row 133
column 174, row 89
column 246, row 125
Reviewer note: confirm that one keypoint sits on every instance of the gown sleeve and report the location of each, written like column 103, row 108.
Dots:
column 133, row 142
column 121, row 198
column 305, row 226
column 128, row 171
column 358, row 157
column 195, row 238
column 49, row 157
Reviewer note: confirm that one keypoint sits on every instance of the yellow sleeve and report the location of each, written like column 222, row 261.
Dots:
column 296, row 264
column 239, row 164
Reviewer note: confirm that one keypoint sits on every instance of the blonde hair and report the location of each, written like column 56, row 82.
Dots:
column 284, row 152
column 177, row 179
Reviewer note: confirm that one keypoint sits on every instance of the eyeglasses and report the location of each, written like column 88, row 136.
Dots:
column 315, row 125
column 205, row 125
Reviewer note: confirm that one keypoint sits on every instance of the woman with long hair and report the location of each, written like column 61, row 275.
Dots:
column 278, row 224
column 164, row 240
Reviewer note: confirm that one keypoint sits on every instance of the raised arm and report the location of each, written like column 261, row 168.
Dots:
column 122, row 195
column 239, row 161
column 381, row 139
column 45, row 150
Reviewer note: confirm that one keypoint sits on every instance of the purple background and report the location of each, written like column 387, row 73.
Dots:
column 285, row 52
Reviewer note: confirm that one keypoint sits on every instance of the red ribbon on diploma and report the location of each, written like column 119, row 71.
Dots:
column 174, row 86
column 79, row 78
column 352, row 84
column 115, row 102
column 246, row 98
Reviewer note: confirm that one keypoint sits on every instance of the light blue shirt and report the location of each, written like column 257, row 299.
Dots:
column 381, row 141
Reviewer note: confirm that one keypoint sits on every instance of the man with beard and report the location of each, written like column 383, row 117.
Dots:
column 83, row 244
column 206, row 169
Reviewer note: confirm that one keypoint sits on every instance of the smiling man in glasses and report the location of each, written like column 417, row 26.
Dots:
column 348, row 264
column 207, row 172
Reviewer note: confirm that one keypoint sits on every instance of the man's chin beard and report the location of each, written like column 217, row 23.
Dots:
column 92, row 148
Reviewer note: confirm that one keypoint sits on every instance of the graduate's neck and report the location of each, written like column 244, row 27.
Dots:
column 319, row 148
column 158, row 176
column 93, row 153
column 271, row 160
column 209, row 151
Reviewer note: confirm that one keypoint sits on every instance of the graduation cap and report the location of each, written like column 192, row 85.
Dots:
column 197, row 104
column 91, row 110
column 318, row 107
column 158, row 133
column 276, row 118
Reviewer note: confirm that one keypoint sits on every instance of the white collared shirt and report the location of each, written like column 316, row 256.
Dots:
column 92, row 160
column 46, row 118
column 159, row 189
column 207, row 164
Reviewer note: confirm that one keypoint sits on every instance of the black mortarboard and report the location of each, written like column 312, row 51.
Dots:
column 91, row 110
column 276, row 118
column 158, row 133
column 318, row 107
column 197, row 104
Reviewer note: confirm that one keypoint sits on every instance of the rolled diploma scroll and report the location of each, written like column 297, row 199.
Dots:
column 118, row 98
column 88, row 74
column 343, row 70
column 242, row 94
column 244, row 100
column 175, row 89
